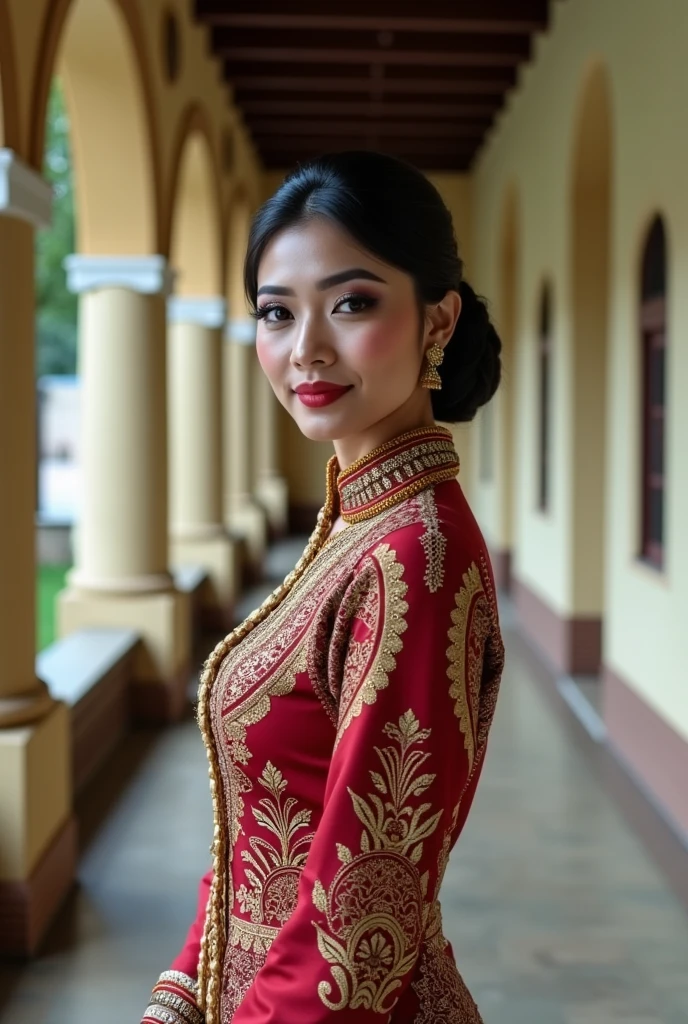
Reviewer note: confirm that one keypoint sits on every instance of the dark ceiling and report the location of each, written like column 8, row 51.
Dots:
column 421, row 80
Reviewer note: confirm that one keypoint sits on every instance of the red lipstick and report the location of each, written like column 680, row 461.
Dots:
column 317, row 393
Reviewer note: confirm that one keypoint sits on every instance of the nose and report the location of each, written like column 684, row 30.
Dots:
column 310, row 347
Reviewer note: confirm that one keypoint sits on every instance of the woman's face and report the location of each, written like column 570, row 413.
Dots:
column 339, row 333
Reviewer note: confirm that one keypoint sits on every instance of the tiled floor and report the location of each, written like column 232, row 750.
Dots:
column 556, row 914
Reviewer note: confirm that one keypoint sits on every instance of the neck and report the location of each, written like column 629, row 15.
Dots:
column 417, row 413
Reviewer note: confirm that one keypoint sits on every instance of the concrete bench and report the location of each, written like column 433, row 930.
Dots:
column 90, row 670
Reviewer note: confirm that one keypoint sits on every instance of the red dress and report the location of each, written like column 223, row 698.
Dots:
column 346, row 723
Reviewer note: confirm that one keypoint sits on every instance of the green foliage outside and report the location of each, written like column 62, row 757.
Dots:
column 56, row 308
column 51, row 580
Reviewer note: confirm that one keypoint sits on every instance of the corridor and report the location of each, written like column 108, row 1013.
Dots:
column 556, row 913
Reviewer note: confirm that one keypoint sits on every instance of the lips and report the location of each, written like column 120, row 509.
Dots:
column 315, row 394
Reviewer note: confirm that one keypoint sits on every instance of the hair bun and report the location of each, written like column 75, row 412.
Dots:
column 471, row 369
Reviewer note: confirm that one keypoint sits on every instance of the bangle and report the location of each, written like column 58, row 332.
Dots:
column 173, row 1001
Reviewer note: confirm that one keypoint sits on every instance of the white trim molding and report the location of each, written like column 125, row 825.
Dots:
column 204, row 310
column 23, row 192
column 241, row 331
column 149, row 275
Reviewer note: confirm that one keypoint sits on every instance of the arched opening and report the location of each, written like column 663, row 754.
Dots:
column 93, row 139
column 95, row 47
column 544, row 427
column 653, row 353
column 195, row 230
column 591, row 198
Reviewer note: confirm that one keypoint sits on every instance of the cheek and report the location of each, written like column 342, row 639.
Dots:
column 388, row 342
column 270, row 358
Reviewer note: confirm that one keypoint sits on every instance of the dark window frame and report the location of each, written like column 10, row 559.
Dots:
column 545, row 349
column 653, row 420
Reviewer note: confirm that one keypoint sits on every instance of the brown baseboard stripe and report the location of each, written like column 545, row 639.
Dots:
column 572, row 645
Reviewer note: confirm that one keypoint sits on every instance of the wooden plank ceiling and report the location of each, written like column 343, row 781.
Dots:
column 422, row 80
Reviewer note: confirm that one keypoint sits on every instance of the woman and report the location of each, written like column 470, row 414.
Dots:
column 346, row 720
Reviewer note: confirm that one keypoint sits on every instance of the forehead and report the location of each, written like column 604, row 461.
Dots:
column 314, row 249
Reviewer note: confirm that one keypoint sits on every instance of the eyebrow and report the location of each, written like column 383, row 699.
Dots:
column 356, row 273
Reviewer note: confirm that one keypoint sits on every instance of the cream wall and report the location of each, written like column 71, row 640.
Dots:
column 644, row 612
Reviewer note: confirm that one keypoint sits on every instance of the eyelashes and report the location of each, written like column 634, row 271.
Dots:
column 361, row 303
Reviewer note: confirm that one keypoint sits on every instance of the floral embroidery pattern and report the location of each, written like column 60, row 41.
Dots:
column 247, row 951
column 273, row 875
column 434, row 542
column 472, row 624
column 374, row 908
column 361, row 681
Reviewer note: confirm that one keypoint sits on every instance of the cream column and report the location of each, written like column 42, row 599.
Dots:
column 37, row 831
column 244, row 516
column 270, row 486
column 194, row 372
column 121, row 576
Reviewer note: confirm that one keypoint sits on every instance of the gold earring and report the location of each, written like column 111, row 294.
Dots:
column 430, row 378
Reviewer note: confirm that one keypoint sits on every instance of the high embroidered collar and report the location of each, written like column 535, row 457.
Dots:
column 395, row 471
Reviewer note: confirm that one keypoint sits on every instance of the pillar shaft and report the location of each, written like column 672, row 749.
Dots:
column 270, row 486
column 123, row 528
column 197, row 531
column 195, row 417
column 243, row 514
column 22, row 697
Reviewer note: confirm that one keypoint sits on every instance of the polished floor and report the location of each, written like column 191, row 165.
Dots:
column 556, row 913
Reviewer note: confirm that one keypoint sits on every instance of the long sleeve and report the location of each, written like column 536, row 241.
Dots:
column 186, row 960
column 406, row 661
column 174, row 996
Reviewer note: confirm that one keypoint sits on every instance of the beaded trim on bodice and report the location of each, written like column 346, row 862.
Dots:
column 396, row 471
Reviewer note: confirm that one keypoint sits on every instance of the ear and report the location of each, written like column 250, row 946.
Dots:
column 440, row 320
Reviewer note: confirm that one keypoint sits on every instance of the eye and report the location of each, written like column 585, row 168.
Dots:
column 273, row 313
column 355, row 302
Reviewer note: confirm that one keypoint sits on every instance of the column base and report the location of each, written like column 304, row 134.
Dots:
column 273, row 494
column 248, row 520
column 220, row 557
column 38, row 837
column 162, row 662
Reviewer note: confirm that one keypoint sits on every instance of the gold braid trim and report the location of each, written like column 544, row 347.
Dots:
column 214, row 941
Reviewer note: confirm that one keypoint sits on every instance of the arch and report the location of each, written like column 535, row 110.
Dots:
column 97, row 47
column 653, row 358
column 193, row 233
column 9, row 110
column 238, row 226
column 591, row 181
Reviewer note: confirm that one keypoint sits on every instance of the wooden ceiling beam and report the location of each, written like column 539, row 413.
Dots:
column 371, row 108
column 480, row 16
column 241, row 46
column 493, row 84
column 267, row 127
column 321, row 144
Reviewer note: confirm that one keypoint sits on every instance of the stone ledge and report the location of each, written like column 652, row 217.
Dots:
column 90, row 671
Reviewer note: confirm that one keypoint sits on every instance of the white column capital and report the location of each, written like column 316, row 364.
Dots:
column 204, row 310
column 149, row 275
column 23, row 192
column 241, row 331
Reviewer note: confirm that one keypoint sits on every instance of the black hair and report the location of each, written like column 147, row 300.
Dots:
column 392, row 210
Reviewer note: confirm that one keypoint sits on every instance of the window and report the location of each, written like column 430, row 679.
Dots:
column 653, row 325
column 544, row 399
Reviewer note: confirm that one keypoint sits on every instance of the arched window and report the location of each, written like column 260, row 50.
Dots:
column 544, row 399
column 653, row 325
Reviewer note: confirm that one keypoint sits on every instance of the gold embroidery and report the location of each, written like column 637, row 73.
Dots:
column 273, row 875
column 252, row 711
column 472, row 623
column 374, row 906
column 433, row 540
column 393, row 625
column 247, row 951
